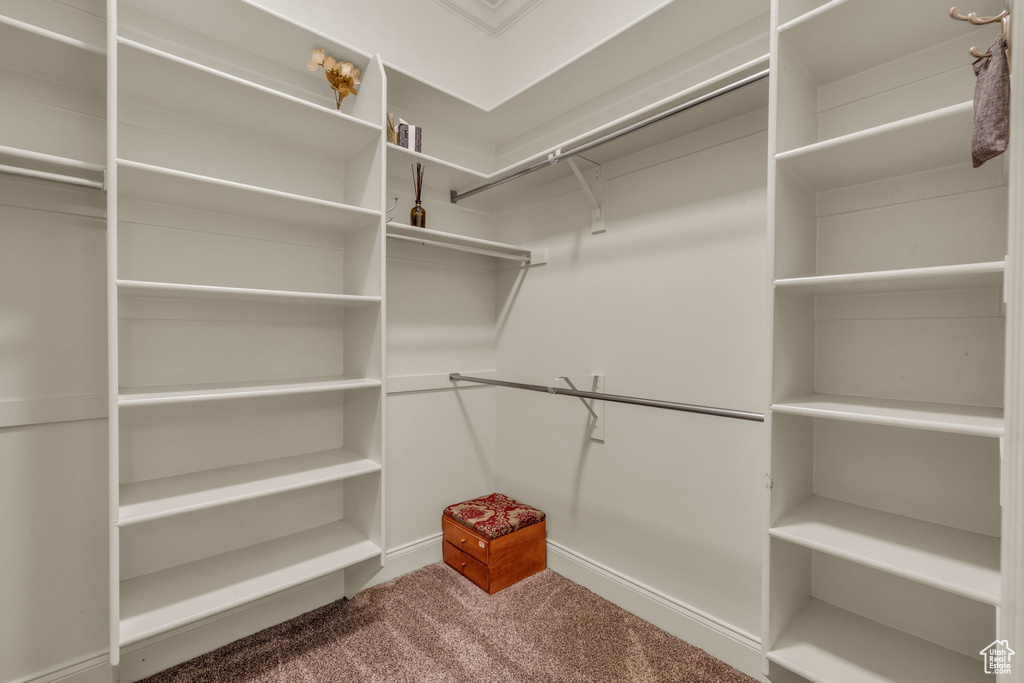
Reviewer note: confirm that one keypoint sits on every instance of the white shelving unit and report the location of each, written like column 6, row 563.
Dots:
column 888, row 346
column 246, row 315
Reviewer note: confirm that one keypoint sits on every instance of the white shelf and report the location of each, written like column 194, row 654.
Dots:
column 147, row 183
column 59, row 22
column 937, row 417
column 935, row 278
column 52, row 55
column 439, row 173
column 933, row 140
column 191, row 393
column 218, row 97
column 158, row 498
column 158, row 602
column 826, row 644
column 171, row 290
column 448, row 240
column 949, row 559
column 830, row 47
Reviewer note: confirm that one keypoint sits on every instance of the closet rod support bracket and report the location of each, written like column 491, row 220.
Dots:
column 597, row 215
column 595, row 408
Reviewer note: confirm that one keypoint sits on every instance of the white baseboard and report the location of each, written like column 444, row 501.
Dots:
column 408, row 558
column 92, row 669
column 733, row 646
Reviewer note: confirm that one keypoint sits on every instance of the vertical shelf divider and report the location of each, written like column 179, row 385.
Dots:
column 1011, row 615
column 113, row 383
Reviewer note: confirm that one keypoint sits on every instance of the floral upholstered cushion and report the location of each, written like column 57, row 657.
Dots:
column 494, row 515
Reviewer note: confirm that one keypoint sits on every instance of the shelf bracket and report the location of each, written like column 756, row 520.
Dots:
column 597, row 224
column 596, row 409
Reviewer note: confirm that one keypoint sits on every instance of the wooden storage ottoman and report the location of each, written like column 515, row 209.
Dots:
column 494, row 541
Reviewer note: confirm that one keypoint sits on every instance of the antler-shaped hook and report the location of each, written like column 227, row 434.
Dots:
column 973, row 18
column 979, row 21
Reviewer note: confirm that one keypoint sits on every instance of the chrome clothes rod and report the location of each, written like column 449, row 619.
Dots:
column 555, row 157
column 615, row 398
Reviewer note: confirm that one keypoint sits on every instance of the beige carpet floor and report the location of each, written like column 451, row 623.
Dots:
column 434, row 626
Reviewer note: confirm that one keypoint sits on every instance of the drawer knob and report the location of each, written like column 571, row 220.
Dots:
column 463, row 564
column 462, row 540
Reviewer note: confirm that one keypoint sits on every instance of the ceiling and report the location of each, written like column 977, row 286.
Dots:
column 493, row 17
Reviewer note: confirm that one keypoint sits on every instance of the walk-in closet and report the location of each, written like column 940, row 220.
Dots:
column 511, row 340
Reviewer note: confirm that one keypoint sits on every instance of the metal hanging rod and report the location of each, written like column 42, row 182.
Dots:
column 615, row 398
column 557, row 156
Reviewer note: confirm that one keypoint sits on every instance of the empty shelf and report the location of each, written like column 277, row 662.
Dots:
column 186, row 393
column 830, row 40
column 155, row 184
column 826, row 644
column 52, row 55
column 933, row 140
column 257, row 110
column 966, row 276
column 448, row 240
column 950, row 559
column 172, row 290
column 157, row 498
column 164, row 600
column 938, row 417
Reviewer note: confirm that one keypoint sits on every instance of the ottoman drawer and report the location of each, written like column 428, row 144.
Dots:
column 466, row 565
column 494, row 541
column 464, row 539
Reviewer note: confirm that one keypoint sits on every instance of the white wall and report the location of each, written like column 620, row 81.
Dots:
column 669, row 303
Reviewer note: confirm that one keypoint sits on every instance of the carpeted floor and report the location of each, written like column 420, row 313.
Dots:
column 435, row 626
